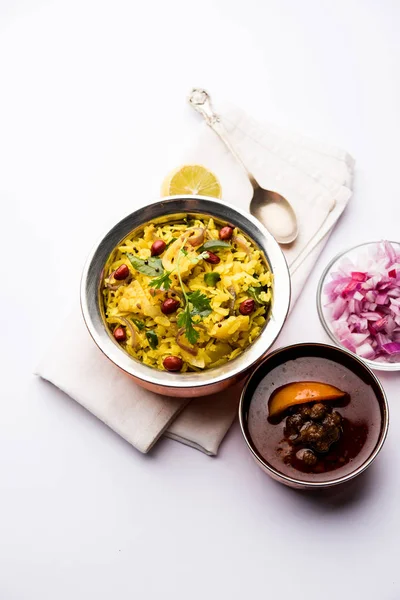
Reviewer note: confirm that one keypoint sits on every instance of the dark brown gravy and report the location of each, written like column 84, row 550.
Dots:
column 361, row 420
column 352, row 439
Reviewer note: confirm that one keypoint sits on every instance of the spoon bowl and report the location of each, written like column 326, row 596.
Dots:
column 275, row 213
column 273, row 210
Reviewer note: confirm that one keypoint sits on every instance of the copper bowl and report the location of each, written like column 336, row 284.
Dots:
column 184, row 384
column 286, row 357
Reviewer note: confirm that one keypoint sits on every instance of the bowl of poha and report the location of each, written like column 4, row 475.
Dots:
column 186, row 295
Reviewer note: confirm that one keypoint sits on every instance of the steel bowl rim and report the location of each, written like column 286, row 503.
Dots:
column 206, row 378
column 377, row 365
column 293, row 481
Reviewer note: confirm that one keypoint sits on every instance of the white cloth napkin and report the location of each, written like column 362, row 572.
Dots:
column 315, row 178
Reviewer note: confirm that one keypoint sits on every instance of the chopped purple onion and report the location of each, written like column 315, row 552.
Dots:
column 364, row 303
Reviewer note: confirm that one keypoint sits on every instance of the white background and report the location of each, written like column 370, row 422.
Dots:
column 92, row 116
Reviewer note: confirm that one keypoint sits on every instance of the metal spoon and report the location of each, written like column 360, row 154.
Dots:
column 272, row 209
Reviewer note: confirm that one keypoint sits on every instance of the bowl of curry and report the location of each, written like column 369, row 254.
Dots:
column 313, row 416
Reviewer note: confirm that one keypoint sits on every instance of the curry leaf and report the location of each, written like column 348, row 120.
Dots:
column 215, row 245
column 152, row 339
column 152, row 267
column 139, row 324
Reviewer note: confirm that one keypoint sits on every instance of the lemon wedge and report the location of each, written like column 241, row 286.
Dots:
column 193, row 180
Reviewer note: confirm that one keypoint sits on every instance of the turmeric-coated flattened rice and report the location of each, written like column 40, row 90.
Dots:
column 186, row 295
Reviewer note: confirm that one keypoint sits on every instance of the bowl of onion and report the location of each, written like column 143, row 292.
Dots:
column 358, row 301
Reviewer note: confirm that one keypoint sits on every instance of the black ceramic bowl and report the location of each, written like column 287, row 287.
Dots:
column 367, row 410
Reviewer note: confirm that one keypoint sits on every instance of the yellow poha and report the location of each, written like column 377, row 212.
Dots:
column 221, row 291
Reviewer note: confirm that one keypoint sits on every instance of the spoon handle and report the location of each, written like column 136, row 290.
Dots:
column 200, row 100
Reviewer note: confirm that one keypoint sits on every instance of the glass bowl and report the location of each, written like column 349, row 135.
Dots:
column 356, row 254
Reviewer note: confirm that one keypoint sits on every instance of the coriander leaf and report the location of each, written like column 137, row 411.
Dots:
column 150, row 266
column 162, row 281
column 196, row 304
column 152, row 339
column 211, row 278
column 184, row 252
column 139, row 324
column 200, row 303
column 185, row 321
column 254, row 292
column 215, row 245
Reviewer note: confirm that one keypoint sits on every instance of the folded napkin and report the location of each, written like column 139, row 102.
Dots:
column 315, row 178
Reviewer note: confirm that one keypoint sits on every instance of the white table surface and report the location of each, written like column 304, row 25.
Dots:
column 92, row 116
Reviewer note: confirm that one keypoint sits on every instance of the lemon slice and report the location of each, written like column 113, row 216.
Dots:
column 193, row 180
